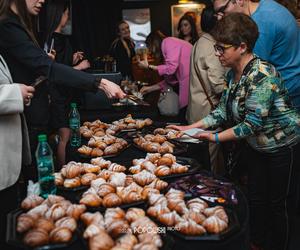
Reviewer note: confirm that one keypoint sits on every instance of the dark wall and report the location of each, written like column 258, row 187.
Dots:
column 94, row 23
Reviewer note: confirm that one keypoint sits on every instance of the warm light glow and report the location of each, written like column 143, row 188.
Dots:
column 185, row 2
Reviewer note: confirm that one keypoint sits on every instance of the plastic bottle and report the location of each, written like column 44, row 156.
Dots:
column 44, row 160
column 74, row 123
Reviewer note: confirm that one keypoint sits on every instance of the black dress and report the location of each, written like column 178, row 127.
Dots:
column 123, row 58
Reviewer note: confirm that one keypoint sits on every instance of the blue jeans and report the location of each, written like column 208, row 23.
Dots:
column 271, row 185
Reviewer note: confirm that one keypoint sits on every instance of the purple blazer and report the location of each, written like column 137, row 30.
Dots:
column 176, row 68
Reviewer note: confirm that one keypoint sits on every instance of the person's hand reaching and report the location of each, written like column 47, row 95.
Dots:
column 111, row 89
column 27, row 93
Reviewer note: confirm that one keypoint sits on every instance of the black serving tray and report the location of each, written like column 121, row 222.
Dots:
column 71, row 193
column 14, row 238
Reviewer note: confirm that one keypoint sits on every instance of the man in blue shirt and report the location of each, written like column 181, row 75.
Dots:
column 279, row 38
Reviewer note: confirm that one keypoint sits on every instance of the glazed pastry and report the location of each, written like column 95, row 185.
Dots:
column 36, row 237
column 149, row 166
column 75, row 211
column 90, row 168
column 194, row 216
column 58, row 179
column 91, row 200
column 31, row 201
column 105, row 189
column 117, row 179
column 153, row 157
column 95, row 184
column 158, row 184
column 71, row 170
column 169, row 219
column 111, row 200
column 173, row 194
column 152, row 238
column 55, row 212
column 162, row 170
column 72, row 183
column 102, row 163
column 85, row 150
column 197, row 205
column 178, row 205
column 60, row 235
column 190, row 227
column 38, row 211
column 111, row 150
column 24, row 223
column 144, row 178
column 117, row 227
column 135, row 169
column 155, row 199
column 87, row 178
column 156, row 210
column 165, row 161
column 133, row 214
column 92, row 218
column 105, row 174
column 44, row 224
column 116, row 168
column 67, row 222
column 214, row 224
column 178, row 169
column 93, row 230
column 101, row 241
column 128, row 180
column 96, row 152
column 147, row 191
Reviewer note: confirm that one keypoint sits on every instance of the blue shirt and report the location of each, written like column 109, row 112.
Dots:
column 279, row 44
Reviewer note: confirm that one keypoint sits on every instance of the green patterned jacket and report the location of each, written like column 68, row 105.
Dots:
column 258, row 109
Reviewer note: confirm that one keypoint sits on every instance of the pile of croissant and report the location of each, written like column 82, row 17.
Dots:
column 75, row 174
column 113, row 189
column 154, row 144
column 118, row 229
column 104, row 145
column 157, row 164
column 96, row 128
column 49, row 221
column 168, row 133
column 193, row 217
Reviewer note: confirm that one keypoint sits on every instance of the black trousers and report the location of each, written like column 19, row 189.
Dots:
column 272, row 180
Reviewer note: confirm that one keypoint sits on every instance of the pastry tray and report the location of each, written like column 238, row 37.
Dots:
column 14, row 238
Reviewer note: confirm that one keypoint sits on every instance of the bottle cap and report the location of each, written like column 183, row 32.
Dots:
column 42, row 138
column 73, row 105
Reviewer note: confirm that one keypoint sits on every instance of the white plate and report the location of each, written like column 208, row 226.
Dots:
column 193, row 131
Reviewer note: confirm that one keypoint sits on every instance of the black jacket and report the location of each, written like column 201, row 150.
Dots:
column 27, row 61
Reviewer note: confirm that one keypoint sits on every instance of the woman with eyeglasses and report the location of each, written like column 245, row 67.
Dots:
column 255, row 107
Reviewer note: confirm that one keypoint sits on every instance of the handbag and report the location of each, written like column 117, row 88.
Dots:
column 168, row 103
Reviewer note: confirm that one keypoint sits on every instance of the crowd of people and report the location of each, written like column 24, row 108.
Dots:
column 238, row 79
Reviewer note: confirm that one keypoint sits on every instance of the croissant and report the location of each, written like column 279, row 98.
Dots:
column 149, row 166
column 155, row 199
column 133, row 187
column 136, row 162
column 60, row 235
column 111, row 200
column 159, row 131
column 95, row 184
column 194, row 216
column 24, row 223
column 38, row 211
column 165, row 161
column 209, row 211
column 190, row 227
column 154, row 211
column 153, row 157
column 96, row 152
column 67, row 222
column 169, row 219
column 178, row 205
column 122, row 142
column 111, row 150
column 128, row 180
column 85, row 150
column 148, row 190
column 149, row 137
column 116, row 168
column 53, row 199
column 126, row 241
column 105, row 189
column 170, row 156
column 105, row 174
column 58, row 179
column 92, row 218
column 64, row 204
column 93, row 230
column 31, row 201
column 102, row 163
column 133, row 214
column 71, row 170
column 214, row 224
column 145, row 246
column 158, row 184
column 197, row 205
column 174, row 194
column 221, row 214
column 91, row 200
column 90, row 168
column 117, row 179
column 87, row 178
column 159, row 139
column 144, row 178
column 55, row 212
column 152, row 241
column 87, row 133
column 75, row 211
column 131, row 196
column 112, row 214
column 151, row 147
column 101, row 241
column 135, row 169
column 36, row 237
column 162, row 171
column 118, row 227
column 99, row 133
column 44, row 224
column 72, row 183
column 179, row 169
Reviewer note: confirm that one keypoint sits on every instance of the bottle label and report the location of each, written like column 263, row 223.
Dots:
column 74, row 123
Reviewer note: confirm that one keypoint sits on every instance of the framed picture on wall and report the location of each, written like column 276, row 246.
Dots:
column 177, row 11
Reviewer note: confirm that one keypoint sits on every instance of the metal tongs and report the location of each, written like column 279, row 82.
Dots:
column 137, row 100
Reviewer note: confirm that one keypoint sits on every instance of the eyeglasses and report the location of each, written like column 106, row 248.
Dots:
column 221, row 48
column 223, row 8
